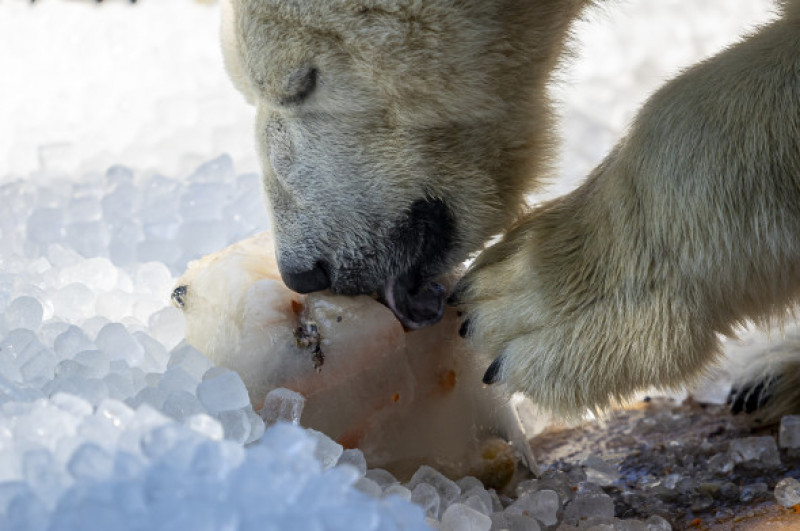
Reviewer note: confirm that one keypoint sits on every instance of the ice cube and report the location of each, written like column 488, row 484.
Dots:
column 167, row 327
column 368, row 487
column 543, row 505
column 119, row 386
column 189, row 359
column 755, row 451
column 257, row 426
column 282, row 404
column 355, row 458
column 460, row 517
column 427, row 497
column 89, row 238
column 600, row 472
column 223, row 393
column 203, row 200
column 97, row 273
column 74, row 302
column 182, row 404
column 592, row 504
column 98, row 362
column 219, row 169
column 206, row 425
column 382, row 477
column 24, row 312
column 72, row 404
column 71, row 341
column 90, row 462
column 514, row 522
column 448, row 490
column 657, row 523
column 40, row 368
column 43, row 475
column 115, row 340
column 327, row 451
column 235, row 424
column 177, row 379
column 115, row 305
column 787, row 492
column 790, row 431
column 397, row 490
column 153, row 278
column 45, row 225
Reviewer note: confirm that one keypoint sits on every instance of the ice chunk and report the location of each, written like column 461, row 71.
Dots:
column 514, row 522
column 153, row 278
column 235, row 424
column 189, row 359
column 590, row 504
column 119, row 386
column 787, row 492
column 397, row 490
column 657, row 523
column 70, row 342
column 24, row 312
column 382, row 477
column 543, row 505
column 89, row 238
column 427, row 497
column 448, row 490
column 203, row 200
column 206, row 425
column 257, row 426
column 40, row 367
column 119, row 344
column 790, row 431
column 43, row 475
column 98, row 273
column 460, row 517
column 72, row 404
column 74, row 302
column 328, row 451
column 600, row 472
column 223, row 393
column 755, row 451
column 368, row 487
column 98, row 362
column 282, row 404
column 114, row 305
column 177, row 379
column 355, row 458
column 182, row 404
column 46, row 225
column 167, row 326
column 90, row 462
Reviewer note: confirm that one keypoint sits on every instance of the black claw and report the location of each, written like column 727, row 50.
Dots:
column 751, row 398
column 465, row 329
column 492, row 374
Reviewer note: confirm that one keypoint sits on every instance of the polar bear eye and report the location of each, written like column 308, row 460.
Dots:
column 301, row 84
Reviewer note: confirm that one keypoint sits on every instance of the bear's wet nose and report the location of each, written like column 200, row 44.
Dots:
column 314, row 279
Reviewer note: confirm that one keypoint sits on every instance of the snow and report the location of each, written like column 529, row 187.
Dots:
column 125, row 153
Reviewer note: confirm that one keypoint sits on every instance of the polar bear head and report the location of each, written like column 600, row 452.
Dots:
column 395, row 136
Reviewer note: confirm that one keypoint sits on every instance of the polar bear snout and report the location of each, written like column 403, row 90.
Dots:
column 306, row 281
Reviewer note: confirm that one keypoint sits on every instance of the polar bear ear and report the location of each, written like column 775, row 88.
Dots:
column 230, row 51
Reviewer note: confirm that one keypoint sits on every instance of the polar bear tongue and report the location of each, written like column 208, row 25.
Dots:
column 415, row 306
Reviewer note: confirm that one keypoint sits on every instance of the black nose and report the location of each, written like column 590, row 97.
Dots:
column 315, row 279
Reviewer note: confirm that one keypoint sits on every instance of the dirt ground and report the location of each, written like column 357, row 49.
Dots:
column 668, row 455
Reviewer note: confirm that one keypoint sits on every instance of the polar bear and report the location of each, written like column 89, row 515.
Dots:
column 398, row 136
